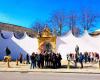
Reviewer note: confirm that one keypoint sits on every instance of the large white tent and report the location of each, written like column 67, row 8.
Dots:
column 86, row 43
column 25, row 45
column 64, row 44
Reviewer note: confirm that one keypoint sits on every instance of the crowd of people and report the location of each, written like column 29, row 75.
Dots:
column 83, row 57
column 53, row 60
column 43, row 60
column 88, row 56
column 49, row 59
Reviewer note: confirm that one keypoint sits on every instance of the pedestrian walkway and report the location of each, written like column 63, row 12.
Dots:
column 88, row 68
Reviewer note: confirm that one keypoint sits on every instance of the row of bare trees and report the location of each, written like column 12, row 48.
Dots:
column 61, row 21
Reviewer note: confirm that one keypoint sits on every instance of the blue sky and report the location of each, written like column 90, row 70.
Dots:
column 26, row 12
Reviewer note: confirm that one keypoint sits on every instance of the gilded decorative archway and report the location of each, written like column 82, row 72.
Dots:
column 46, row 37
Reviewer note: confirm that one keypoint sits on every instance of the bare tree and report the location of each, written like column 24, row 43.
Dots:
column 88, row 19
column 38, row 26
column 72, row 22
column 58, row 21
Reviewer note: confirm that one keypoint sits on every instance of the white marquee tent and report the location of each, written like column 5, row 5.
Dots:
column 65, row 44
column 24, row 45
column 86, row 43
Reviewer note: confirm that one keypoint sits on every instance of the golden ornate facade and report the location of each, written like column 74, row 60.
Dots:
column 46, row 38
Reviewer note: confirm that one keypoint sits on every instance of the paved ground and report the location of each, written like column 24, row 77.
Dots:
column 88, row 68
column 47, row 76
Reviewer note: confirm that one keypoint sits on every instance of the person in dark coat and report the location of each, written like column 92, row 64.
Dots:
column 46, row 59
column 76, row 55
column 32, row 57
column 59, row 58
column 50, row 59
column 21, row 58
column 81, row 58
column 27, row 59
column 38, row 60
column 86, row 57
column 54, row 60
column 35, row 60
column 41, row 60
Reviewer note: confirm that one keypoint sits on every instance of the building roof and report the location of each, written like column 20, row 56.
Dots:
column 16, row 28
